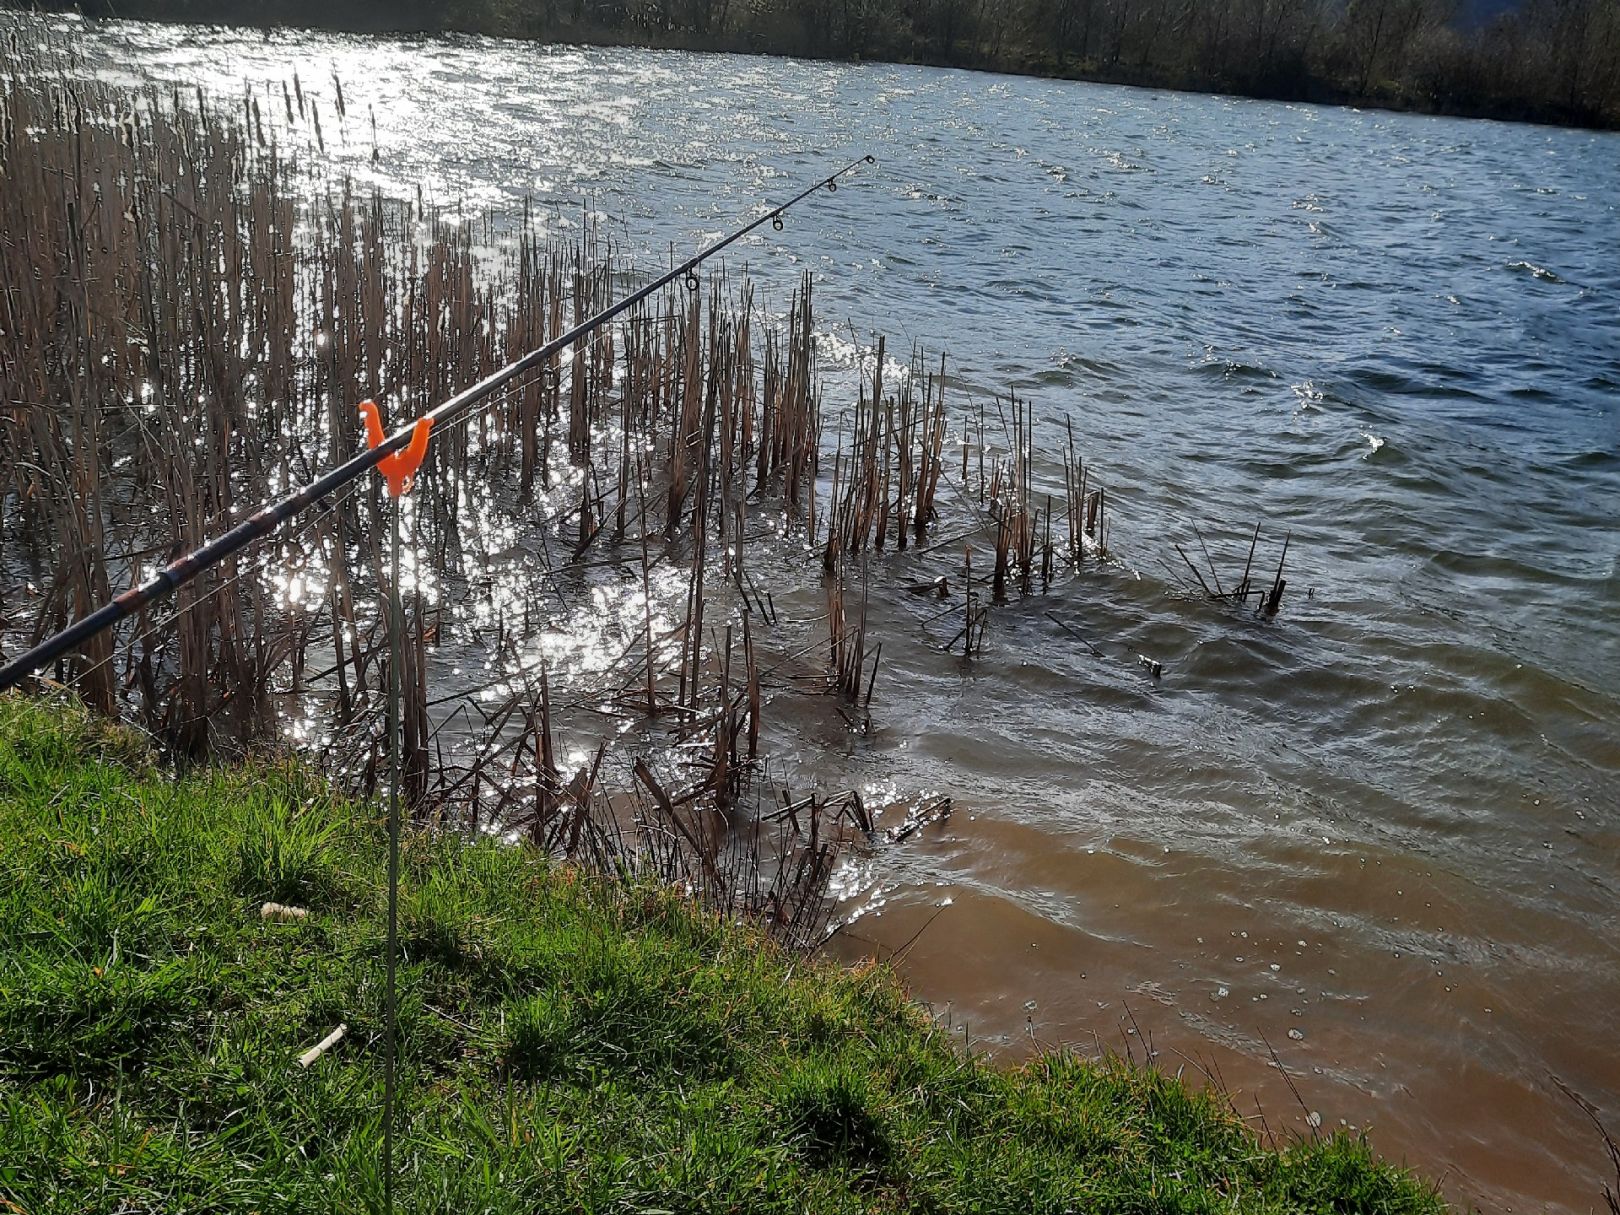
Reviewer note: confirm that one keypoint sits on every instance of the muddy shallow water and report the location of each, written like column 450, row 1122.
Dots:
column 1381, row 833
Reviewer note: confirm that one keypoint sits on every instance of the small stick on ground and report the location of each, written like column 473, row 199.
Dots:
column 321, row 1047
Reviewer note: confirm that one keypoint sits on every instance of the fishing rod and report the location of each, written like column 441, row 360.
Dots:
column 184, row 568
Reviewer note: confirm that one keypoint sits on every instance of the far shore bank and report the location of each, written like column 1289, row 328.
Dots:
column 1449, row 91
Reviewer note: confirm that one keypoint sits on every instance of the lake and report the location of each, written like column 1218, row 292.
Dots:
column 1379, row 834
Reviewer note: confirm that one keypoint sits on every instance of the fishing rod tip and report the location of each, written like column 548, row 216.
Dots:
column 869, row 159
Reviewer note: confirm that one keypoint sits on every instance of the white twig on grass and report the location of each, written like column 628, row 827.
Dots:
column 321, row 1047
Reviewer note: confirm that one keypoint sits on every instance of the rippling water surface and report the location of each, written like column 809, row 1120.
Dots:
column 1380, row 833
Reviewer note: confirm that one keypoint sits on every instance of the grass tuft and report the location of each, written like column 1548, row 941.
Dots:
column 437, row 926
column 283, row 854
column 831, row 1112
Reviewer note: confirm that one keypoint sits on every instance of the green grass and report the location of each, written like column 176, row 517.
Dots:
column 568, row 1045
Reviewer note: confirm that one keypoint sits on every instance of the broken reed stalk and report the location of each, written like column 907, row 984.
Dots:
column 1268, row 601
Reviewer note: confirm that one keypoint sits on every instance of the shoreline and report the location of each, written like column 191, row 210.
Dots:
column 1307, row 90
column 566, row 1039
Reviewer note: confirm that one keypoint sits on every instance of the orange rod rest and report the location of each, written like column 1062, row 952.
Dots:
column 399, row 469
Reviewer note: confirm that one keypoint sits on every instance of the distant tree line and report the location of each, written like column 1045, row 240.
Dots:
column 1547, row 60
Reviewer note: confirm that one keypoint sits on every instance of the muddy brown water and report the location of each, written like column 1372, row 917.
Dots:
column 1380, row 834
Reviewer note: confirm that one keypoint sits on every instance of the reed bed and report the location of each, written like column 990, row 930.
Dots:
column 192, row 314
